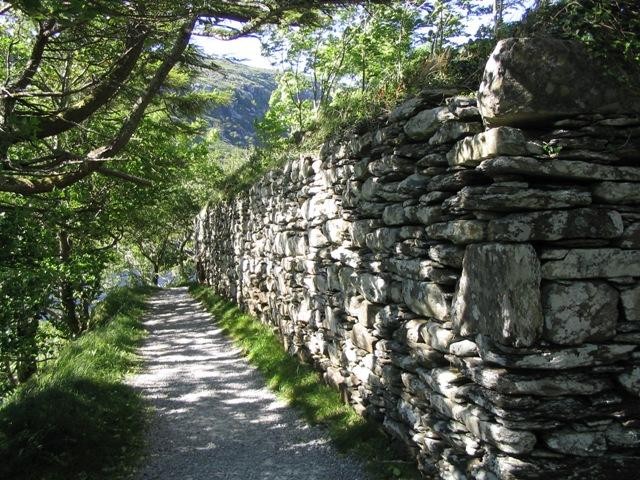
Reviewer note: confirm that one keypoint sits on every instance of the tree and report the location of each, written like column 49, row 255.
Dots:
column 69, row 62
column 336, row 59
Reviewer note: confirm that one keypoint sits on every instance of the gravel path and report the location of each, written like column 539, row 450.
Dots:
column 215, row 418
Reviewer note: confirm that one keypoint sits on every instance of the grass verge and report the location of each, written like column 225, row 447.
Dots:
column 302, row 387
column 76, row 420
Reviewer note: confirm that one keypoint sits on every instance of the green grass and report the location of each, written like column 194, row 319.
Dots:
column 303, row 388
column 76, row 419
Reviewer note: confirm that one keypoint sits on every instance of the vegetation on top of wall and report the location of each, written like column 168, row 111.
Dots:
column 302, row 387
column 76, row 419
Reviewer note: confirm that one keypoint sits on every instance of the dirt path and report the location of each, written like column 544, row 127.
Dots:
column 215, row 418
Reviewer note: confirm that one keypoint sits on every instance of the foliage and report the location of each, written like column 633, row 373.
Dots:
column 360, row 63
column 302, row 387
column 76, row 419
column 26, row 274
column 80, row 77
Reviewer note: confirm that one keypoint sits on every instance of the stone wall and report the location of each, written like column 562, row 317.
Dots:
column 474, row 289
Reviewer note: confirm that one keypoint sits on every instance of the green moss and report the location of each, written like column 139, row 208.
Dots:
column 303, row 388
column 77, row 419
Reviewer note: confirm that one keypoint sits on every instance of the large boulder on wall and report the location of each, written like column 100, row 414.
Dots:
column 528, row 81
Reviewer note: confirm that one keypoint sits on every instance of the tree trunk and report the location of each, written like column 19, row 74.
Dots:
column 67, row 297
column 155, row 277
column 26, row 364
column 498, row 7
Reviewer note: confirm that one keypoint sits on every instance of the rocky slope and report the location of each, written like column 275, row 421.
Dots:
column 251, row 88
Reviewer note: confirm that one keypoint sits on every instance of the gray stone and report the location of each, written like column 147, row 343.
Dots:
column 317, row 238
column 453, row 131
column 346, row 256
column 333, row 377
column 498, row 294
column 371, row 210
column 631, row 303
column 406, row 109
column 428, row 215
column 458, row 231
column 433, row 160
column 411, row 231
column 435, row 197
column 367, row 313
column 362, row 338
column 373, row 287
column 631, row 236
column 557, row 168
column 506, row 198
column 579, row 312
column 464, row 348
column 394, row 215
column 425, row 298
column 470, row 151
column 467, row 113
column 454, row 181
column 450, row 255
column 619, row 436
column 425, row 123
column 437, row 337
column 587, row 355
column 534, row 80
column 392, row 164
column 417, row 269
column 583, row 444
column 619, row 193
column 534, row 384
column 382, row 239
column 631, row 380
column 360, row 228
column 507, row 440
column 594, row 263
column 414, row 184
column 336, row 230
column 556, row 225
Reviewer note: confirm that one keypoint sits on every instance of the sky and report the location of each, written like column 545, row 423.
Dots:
column 248, row 50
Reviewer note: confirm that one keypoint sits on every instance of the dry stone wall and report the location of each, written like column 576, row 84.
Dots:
column 474, row 289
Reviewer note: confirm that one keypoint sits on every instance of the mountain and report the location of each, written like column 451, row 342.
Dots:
column 251, row 87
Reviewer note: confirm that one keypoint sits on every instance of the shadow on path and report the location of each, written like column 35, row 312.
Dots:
column 215, row 418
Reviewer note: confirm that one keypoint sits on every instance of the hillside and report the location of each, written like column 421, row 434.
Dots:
column 252, row 88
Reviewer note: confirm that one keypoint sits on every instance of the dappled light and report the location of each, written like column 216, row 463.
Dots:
column 213, row 415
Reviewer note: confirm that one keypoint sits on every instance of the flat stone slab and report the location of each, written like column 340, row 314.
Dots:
column 576, row 312
column 552, row 225
column 558, row 168
column 499, row 294
column 593, row 263
column 470, row 151
column 505, row 199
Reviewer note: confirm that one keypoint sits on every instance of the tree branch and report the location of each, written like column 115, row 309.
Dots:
column 100, row 96
column 143, row 182
column 131, row 123
column 44, row 33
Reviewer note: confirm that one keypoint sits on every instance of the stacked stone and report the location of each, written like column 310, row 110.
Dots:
column 466, row 273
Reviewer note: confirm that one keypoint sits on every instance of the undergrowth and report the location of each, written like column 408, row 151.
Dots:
column 76, row 419
column 303, row 388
